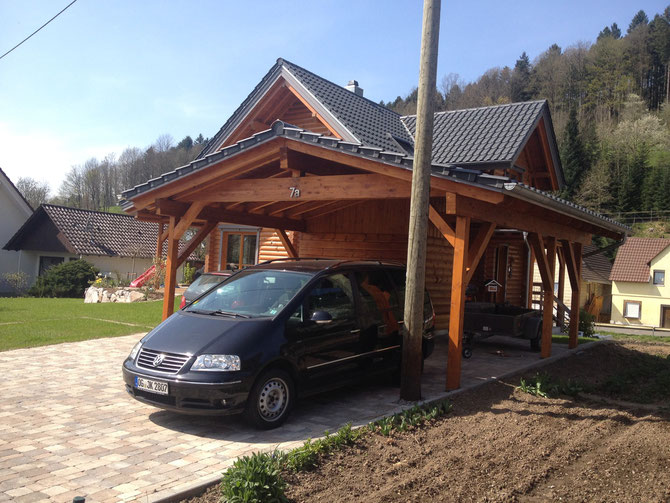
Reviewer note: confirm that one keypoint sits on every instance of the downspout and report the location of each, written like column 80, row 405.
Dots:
column 529, row 288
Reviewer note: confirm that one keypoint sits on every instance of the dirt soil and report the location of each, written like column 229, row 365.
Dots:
column 500, row 444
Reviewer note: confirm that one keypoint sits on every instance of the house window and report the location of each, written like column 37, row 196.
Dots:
column 659, row 278
column 48, row 262
column 240, row 249
column 632, row 309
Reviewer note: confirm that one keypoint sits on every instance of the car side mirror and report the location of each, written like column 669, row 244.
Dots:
column 321, row 317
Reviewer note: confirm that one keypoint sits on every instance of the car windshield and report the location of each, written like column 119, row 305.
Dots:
column 204, row 283
column 251, row 294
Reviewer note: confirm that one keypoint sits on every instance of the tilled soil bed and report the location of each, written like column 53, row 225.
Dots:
column 501, row 444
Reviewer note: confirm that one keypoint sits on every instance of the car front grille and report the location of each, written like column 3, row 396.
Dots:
column 170, row 362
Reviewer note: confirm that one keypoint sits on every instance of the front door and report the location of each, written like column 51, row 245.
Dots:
column 323, row 348
column 665, row 317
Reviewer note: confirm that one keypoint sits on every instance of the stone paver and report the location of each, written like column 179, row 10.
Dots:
column 69, row 428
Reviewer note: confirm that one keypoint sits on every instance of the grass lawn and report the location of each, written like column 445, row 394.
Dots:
column 28, row 322
column 637, row 338
column 563, row 339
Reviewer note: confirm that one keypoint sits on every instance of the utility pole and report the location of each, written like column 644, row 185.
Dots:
column 410, row 386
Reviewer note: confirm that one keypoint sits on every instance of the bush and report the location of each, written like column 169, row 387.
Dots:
column 68, row 279
column 586, row 323
column 17, row 281
column 189, row 273
column 254, row 479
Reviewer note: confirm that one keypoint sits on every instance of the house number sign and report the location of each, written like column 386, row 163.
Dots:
column 295, row 192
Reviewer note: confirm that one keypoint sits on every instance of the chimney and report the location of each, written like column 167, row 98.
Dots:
column 353, row 87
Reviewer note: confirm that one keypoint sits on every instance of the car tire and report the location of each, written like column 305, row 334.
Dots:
column 536, row 344
column 271, row 399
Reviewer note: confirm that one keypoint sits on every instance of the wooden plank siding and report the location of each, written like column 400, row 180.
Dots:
column 517, row 257
column 270, row 246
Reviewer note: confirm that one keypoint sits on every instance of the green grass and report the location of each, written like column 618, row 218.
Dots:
column 563, row 339
column 637, row 338
column 29, row 322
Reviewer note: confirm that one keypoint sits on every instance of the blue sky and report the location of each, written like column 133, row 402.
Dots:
column 106, row 75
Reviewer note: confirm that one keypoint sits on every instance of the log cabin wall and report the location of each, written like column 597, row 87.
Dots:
column 377, row 230
column 270, row 246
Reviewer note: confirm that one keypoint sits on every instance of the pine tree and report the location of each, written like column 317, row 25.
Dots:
column 575, row 159
column 520, row 81
column 638, row 19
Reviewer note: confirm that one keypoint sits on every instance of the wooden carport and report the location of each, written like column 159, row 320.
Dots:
column 290, row 179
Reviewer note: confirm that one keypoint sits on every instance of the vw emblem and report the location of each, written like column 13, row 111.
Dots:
column 158, row 360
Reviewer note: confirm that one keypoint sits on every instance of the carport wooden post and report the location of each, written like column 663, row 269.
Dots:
column 546, row 264
column 573, row 260
column 170, row 270
column 560, row 313
column 457, row 308
column 159, row 241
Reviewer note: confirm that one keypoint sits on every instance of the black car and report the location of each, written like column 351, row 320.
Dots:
column 271, row 332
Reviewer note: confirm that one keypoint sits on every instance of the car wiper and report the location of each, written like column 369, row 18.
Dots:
column 220, row 312
column 198, row 311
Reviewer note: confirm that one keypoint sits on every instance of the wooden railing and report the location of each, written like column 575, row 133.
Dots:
column 561, row 312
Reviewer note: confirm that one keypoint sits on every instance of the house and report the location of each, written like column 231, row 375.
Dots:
column 120, row 246
column 327, row 173
column 15, row 211
column 640, row 290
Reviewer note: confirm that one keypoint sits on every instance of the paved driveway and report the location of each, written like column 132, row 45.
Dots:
column 68, row 428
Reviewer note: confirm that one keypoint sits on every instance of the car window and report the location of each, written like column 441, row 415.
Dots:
column 255, row 293
column 399, row 277
column 334, row 295
column 203, row 283
column 379, row 301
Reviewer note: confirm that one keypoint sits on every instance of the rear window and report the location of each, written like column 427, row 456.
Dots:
column 204, row 283
column 399, row 277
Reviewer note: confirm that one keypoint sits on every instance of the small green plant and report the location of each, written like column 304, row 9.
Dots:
column 189, row 273
column 546, row 386
column 410, row 418
column 68, row 279
column 586, row 323
column 254, row 479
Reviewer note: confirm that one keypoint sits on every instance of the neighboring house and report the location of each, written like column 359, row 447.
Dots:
column 120, row 246
column 15, row 211
column 640, row 283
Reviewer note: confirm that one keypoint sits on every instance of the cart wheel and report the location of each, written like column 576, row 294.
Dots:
column 536, row 344
column 467, row 352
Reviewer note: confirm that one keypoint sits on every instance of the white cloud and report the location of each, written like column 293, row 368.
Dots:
column 43, row 155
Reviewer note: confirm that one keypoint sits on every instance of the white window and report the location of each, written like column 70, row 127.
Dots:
column 632, row 309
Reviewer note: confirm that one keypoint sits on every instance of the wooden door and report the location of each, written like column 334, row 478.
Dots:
column 502, row 254
column 665, row 317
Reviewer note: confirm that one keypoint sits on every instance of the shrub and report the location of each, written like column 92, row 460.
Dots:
column 254, row 479
column 586, row 323
column 17, row 281
column 68, row 279
column 189, row 273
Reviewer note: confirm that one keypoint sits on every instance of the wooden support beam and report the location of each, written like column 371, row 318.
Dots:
column 477, row 248
column 159, row 241
column 439, row 222
column 170, row 270
column 311, row 188
column 548, row 307
column 573, row 261
column 546, row 272
column 178, row 209
column 193, row 243
column 314, row 112
column 288, row 246
column 187, row 220
column 560, row 312
column 457, row 310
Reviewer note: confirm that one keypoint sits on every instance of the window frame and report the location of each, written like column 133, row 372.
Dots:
column 626, row 303
column 225, row 235
column 653, row 277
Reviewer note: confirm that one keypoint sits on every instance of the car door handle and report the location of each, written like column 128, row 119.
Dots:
column 355, row 331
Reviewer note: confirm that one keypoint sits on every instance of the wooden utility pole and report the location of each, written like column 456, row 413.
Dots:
column 418, row 218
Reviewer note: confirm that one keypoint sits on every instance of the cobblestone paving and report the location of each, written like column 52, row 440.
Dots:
column 68, row 428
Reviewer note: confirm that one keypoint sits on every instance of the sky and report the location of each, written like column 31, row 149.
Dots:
column 107, row 75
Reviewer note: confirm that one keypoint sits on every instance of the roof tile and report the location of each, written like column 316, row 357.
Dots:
column 633, row 258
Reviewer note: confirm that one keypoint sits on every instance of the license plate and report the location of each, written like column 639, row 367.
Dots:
column 158, row 387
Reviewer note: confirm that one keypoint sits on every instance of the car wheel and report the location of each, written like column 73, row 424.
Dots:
column 467, row 352
column 271, row 399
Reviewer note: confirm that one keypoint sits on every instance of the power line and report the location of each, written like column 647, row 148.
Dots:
column 38, row 29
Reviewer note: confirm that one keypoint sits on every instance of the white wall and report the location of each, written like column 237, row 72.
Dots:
column 14, row 212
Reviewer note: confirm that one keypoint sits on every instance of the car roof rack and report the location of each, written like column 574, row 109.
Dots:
column 293, row 258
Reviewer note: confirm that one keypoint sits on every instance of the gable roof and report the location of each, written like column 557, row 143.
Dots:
column 596, row 267
column 495, row 134
column 87, row 232
column 21, row 201
column 633, row 259
column 474, row 137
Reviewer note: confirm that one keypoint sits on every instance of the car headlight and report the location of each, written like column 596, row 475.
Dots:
column 220, row 363
column 135, row 350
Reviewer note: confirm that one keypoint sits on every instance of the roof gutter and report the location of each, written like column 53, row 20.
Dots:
column 572, row 210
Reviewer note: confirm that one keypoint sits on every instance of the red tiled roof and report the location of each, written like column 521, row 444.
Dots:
column 632, row 260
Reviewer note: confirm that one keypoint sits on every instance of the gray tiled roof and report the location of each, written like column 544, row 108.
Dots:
column 370, row 122
column 597, row 267
column 482, row 135
column 95, row 232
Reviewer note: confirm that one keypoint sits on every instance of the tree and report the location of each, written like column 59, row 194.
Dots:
column 186, row 143
column 575, row 158
column 639, row 19
column 520, row 83
column 610, row 31
column 33, row 191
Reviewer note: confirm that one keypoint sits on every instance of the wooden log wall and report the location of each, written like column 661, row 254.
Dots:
column 270, row 246
column 517, row 260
